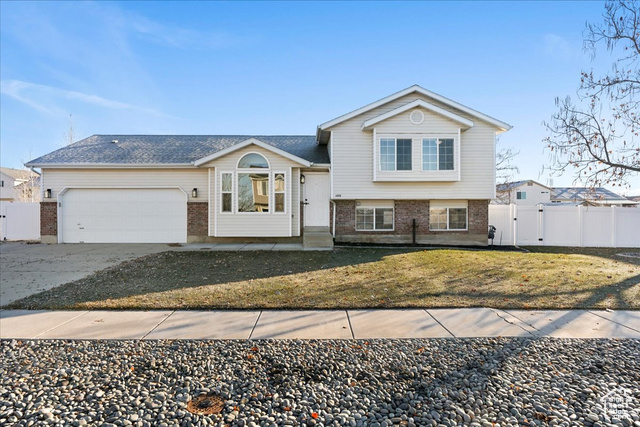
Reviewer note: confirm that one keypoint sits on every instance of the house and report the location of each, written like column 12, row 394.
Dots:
column 523, row 193
column 411, row 164
column 532, row 193
column 596, row 196
column 19, row 185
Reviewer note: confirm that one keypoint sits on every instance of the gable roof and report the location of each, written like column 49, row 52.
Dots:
column 418, row 103
column 511, row 185
column 417, row 89
column 585, row 193
column 167, row 150
column 18, row 174
column 248, row 142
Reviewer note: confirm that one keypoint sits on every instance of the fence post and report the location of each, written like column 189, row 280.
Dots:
column 581, row 224
column 614, row 232
column 541, row 229
column 514, row 220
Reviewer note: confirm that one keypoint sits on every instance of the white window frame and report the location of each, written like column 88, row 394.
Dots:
column 274, row 192
column 466, row 208
column 393, row 218
column 232, row 192
column 237, row 183
column 395, row 153
column 438, row 142
column 519, row 195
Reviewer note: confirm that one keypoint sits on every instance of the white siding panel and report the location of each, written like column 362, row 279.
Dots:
column 353, row 157
column 186, row 179
column 256, row 224
column 433, row 123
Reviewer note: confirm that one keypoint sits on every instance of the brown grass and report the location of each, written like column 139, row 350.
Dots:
column 358, row 278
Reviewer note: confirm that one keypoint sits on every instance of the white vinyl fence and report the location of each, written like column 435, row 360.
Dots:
column 565, row 226
column 20, row 221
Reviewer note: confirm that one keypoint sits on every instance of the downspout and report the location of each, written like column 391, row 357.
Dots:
column 333, row 225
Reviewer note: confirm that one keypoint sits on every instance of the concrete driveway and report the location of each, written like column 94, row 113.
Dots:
column 26, row 269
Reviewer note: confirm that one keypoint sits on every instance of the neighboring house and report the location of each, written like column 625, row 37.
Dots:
column 413, row 163
column 19, row 185
column 597, row 196
column 531, row 193
column 523, row 193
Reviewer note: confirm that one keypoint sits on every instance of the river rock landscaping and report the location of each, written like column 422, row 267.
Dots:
column 446, row 382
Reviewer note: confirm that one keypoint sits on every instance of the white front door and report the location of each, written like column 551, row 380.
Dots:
column 316, row 199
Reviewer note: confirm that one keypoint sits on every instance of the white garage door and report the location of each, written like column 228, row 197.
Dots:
column 141, row 215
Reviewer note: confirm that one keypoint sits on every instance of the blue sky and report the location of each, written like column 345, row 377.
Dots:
column 280, row 68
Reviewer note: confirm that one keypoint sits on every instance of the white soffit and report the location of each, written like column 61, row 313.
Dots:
column 414, row 104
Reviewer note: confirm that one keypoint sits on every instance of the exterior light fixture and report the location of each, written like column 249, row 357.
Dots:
column 47, row 193
column 194, row 193
column 301, row 179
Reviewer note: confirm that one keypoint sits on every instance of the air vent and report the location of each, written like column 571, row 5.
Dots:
column 416, row 117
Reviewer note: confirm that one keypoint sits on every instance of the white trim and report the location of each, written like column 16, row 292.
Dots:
column 113, row 166
column 272, row 180
column 290, row 184
column 418, row 103
column 253, row 152
column 330, row 168
column 415, row 88
column 233, row 191
column 300, row 196
column 374, row 230
column 375, row 156
column 246, row 143
column 210, row 207
column 457, row 160
column 62, row 192
column 416, row 122
column 449, row 205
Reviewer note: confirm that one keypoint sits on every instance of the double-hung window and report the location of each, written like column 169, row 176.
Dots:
column 279, row 192
column 227, row 192
column 437, row 154
column 395, row 154
column 447, row 218
column 371, row 219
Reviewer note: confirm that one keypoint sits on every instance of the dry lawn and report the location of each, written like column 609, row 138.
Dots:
column 358, row 278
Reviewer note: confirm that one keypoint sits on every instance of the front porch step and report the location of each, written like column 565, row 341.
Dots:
column 317, row 237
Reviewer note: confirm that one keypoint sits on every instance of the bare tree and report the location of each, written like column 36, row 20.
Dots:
column 505, row 166
column 28, row 190
column 70, row 134
column 597, row 137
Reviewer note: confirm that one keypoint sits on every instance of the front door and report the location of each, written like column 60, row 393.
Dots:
column 316, row 199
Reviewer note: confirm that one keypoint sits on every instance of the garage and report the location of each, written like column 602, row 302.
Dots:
column 123, row 215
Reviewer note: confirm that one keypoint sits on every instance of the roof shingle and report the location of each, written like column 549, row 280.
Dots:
column 170, row 149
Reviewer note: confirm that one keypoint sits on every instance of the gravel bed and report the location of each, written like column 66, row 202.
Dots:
column 479, row 382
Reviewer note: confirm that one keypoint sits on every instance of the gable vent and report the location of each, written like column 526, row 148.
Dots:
column 416, row 117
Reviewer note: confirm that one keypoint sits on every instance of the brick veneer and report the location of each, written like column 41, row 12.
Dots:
column 197, row 219
column 48, row 218
column 405, row 212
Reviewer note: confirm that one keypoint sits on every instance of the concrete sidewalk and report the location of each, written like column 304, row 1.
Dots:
column 338, row 324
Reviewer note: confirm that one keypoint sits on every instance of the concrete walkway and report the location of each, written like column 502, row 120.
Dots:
column 340, row 324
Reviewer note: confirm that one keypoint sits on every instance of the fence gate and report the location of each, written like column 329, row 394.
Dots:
column 566, row 226
column 20, row 221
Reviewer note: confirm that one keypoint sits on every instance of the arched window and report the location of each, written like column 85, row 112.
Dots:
column 253, row 161
column 253, row 187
